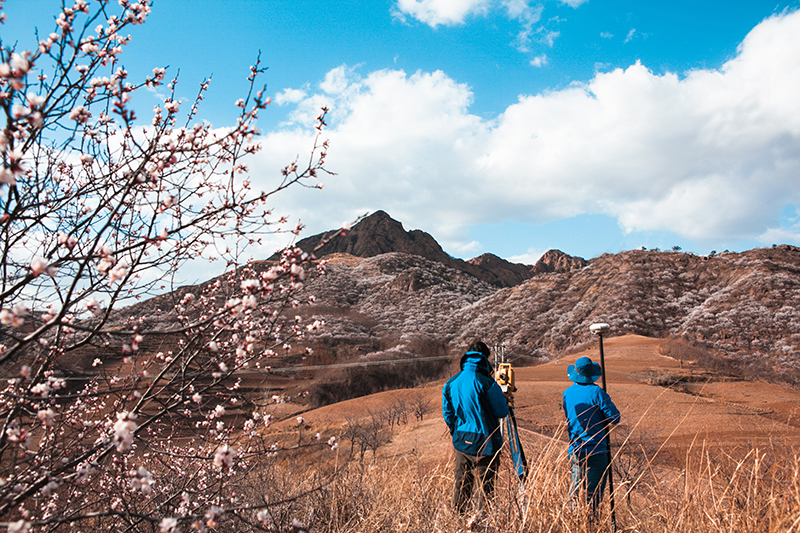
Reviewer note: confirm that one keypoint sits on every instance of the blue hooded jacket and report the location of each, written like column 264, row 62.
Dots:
column 587, row 408
column 472, row 406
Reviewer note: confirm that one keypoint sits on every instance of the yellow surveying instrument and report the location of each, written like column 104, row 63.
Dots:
column 504, row 376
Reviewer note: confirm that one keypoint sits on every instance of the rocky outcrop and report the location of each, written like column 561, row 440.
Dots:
column 558, row 261
column 375, row 235
column 380, row 234
column 508, row 273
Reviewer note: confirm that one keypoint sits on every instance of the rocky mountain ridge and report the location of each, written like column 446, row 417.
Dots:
column 399, row 304
column 740, row 305
column 379, row 234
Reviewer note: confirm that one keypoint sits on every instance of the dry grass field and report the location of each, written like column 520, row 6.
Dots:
column 703, row 454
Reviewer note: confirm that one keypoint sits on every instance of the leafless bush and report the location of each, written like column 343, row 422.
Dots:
column 742, row 365
column 368, row 379
column 368, row 434
column 420, row 406
column 664, row 378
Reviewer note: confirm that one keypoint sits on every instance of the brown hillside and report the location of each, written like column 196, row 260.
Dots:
column 744, row 305
column 711, row 412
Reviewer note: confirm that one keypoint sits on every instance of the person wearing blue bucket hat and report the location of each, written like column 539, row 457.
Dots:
column 588, row 409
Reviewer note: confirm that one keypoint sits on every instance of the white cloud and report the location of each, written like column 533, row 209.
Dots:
column 714, row 154
column 528, row 15
column 539, row 61
column 549, row 37
column 467, row 249
column 336, row 81
column 445, row 12
column 630, row 35
column 289, row 96
column 528, row 258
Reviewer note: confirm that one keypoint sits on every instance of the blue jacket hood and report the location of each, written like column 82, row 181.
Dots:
column 479, row 362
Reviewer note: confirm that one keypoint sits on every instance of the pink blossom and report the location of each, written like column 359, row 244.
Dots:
column 20, row 526
column 117, row 273
column 20, row 111
column 169, row 525
column 80, row 114
column 39, row 266
column 19, row 62
column 124, row 429
column 49, row 489
column 250, row 284
column 213, row 514
column 46, row 416
column 89, row 48
column 271, row 274
column 264, row 517
column 13, row 316
column 83, row 471
column 93, row 306
column 7, row 177
column 142, row 480
column 171, row 106
column 67, row 240
column 224, row 456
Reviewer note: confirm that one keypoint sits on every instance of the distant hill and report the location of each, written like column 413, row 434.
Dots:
column 380, row 234
column 745, row 306
column 404, row 296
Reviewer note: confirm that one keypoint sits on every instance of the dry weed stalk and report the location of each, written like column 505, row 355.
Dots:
column 713, row 491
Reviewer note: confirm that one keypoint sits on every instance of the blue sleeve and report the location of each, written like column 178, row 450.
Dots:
column 448, row 412
column 497, row 400
column 609, row 409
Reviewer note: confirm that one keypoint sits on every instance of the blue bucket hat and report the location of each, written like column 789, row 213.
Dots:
column 584, row 371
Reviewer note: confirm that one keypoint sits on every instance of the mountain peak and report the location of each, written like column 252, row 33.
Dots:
column 379, row 234
column 558, row 261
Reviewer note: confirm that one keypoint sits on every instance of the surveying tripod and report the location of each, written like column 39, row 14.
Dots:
column 504, row 376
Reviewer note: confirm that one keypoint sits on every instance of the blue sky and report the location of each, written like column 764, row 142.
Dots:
column 507, row 126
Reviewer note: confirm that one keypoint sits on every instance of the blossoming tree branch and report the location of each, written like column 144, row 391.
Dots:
column 98, row 210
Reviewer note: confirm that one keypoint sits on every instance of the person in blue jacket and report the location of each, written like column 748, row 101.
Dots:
column 472, row 405
column 588, row 409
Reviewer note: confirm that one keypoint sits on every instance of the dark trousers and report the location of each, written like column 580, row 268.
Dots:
column 589, row 474
column 470, row 468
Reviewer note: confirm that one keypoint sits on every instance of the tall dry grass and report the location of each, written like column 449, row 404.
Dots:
column 712, row 491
